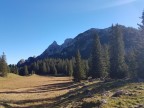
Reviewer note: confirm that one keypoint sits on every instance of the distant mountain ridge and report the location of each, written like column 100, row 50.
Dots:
column 83, row 42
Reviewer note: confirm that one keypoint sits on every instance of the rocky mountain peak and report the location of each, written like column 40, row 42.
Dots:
column 54, row 43
column 68, row 40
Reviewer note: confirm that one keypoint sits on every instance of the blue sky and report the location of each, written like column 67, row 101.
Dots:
column 28, row 27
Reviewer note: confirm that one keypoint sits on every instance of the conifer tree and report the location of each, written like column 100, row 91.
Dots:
column 55, row 70
column 48, row 68
column 37, row 66
column 70, row 68
column 140, row 55
column 79, row 71
column 141, row 26
column 66, row 68
column 106, row 60
column 86, row 68
column 16, row 70
column 118, row 67
column 44, row 68
column 3, row 66
column 33, row 72
column 96, row 59
column 132, row 63
column 26, row 70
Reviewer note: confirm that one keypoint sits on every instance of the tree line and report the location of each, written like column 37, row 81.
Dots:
column 106, row 61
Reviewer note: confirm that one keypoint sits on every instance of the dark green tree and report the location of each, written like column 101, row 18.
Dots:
column 70, row 68
column 44, row 68
column 66, row 68
column 96, row 59
column 33, row 72
column 106, row 60
column 140, row 55
column 118, row 67
column 48, row 68
column 141, row 26
column 26, row 72
column 132, row 63
column 79, row 71
column 3, row 66
column 16, row 70
column 86, row 68
column 55, row 71
column 37, row 67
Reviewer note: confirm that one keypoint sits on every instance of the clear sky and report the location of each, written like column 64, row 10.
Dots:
column 28, row 27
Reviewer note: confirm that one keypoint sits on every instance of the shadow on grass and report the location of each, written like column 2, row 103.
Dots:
column 81, row 93
column 72, row 96
column 43, row 88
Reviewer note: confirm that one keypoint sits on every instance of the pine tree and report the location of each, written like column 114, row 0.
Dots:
column 118, row 67
column 70, row 68
column 44, row 68
column 96, row 59
column 141, row 26
column 140, row 56
column 66, row 68
column 26, row 70
column 106, row 60
column 48, row 68
column 55, row 70
column 37, row 67
column 132, row 63
column 33, row 72
column 86, row 68
column 16, row 70
column 79, row 71
column 3, row 66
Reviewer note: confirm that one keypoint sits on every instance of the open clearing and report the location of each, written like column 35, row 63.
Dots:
column 17, row 91
column 60, row 92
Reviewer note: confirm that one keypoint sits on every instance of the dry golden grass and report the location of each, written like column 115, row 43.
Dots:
column 17, row 91
column 60, row 92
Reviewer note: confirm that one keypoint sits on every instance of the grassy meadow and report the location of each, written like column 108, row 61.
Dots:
column 60, row 92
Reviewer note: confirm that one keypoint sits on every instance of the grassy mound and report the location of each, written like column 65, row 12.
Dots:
column 11, row 75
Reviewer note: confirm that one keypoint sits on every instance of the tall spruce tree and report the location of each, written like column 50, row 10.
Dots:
column 106, row 60
column 86, row 68
column 96, row 59
column 132, row 63
column 3, row 66
column 141, row 26
column 70, row 68
column 118, row 67
column 55, row 71
column 26, row 72
column 140, row 55
column 79, row 71
column 44, row 68
column 48, row 68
